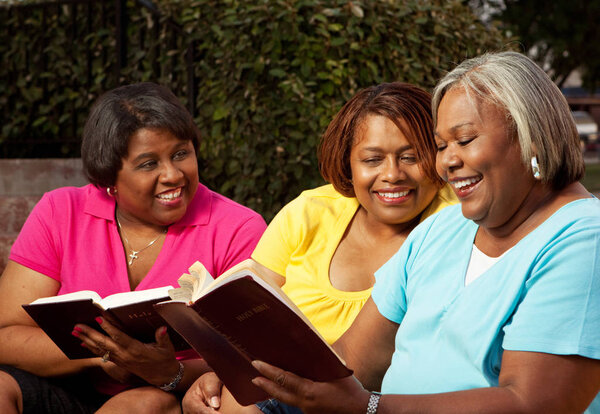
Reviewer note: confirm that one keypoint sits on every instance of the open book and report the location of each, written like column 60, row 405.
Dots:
column 240, row 317
column 131, row 311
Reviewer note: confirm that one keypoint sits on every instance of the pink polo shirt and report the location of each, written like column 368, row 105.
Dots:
column 71, row 236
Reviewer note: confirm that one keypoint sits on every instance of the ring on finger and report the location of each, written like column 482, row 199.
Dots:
column 106, row 356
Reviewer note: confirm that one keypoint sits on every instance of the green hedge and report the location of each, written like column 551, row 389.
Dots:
column 271, row 74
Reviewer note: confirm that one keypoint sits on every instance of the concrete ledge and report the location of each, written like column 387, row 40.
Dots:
column 34, row 177
column 22, row 184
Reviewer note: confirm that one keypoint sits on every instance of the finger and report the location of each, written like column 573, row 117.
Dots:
column 280, row 384
column 114, row 333
column 210, row 386
column 162, row 338
column 92, row 339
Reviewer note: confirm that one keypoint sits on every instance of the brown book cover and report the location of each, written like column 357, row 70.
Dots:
column 136, row 316
column 243, row 318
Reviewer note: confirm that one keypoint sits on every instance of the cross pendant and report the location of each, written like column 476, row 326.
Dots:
column 132, row 256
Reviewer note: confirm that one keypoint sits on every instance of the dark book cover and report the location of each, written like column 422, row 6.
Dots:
column 241, row 321
column 138, row 320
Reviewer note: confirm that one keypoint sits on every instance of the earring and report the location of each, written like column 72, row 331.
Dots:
column 111, row 191
column 535, row 168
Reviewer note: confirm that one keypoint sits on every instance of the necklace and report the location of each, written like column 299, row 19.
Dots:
column 134, row 253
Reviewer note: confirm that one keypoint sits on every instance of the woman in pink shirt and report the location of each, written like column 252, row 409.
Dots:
column 142, row 221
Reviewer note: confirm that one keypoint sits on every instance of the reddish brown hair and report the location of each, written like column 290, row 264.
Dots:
column 396, row 101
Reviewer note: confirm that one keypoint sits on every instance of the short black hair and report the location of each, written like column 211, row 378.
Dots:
column 118, row 114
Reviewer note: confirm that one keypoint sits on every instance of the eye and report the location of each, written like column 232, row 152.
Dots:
column 441, row 146
column 180, row 155
column 408, row 159
column 372, row 160
column 147, row 165
column 465, row 141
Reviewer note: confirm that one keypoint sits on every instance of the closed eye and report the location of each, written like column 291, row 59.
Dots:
column 180, row 155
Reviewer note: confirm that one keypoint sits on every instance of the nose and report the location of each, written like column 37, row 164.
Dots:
column 448, row 160
column 170, row 174
column 392, row 171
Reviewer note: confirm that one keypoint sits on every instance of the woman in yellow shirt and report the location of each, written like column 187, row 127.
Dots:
column 378, row 153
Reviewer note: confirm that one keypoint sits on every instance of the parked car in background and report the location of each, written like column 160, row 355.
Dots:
column 587, row 129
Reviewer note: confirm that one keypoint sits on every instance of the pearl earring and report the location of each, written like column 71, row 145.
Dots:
column 535, row 168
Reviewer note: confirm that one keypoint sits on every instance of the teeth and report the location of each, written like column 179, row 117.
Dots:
column 170, row 196
column 463, row 183
column 393, row 195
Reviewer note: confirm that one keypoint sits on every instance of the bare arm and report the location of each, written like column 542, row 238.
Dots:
column 367, row 346
column 22, row 343
column 270, row 275
column 529, row 382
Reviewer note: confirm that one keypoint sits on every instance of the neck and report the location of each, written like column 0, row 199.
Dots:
column 539, row 204
column 384, row 231
column 134, row 225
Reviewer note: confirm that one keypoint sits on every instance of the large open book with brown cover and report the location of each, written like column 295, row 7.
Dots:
column 240, row 317
column 132, row 312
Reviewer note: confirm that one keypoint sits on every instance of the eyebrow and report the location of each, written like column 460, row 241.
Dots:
column 152, row 154
column 376, row 149
column 455, row 127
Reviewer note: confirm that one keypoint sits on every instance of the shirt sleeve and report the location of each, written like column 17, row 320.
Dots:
column 283, row 235
column 389, row 292
column 36, row 246
column 559, row 312
column 243, row 242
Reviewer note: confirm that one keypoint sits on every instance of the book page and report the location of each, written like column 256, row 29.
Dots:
column 82, row 294
column 135, row 296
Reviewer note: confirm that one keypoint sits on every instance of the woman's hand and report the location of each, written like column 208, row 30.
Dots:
column 155, row 362
column 204, row 396
column 345, row 395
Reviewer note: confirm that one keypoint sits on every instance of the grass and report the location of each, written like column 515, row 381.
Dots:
column 591, row 181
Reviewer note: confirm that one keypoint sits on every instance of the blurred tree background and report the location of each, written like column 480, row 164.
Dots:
column 561, row 36
column 262, row 77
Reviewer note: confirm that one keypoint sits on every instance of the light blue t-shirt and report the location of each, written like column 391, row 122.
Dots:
column 543, row 296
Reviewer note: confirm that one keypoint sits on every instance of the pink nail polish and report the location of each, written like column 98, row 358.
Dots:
column 83, row 345
column 99, row 320
column 75, row 333
column 164, row 330
column 77, row 329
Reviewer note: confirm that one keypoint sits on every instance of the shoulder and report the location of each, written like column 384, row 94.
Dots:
column 67, row 199
column 321, row 199
column 445, row 197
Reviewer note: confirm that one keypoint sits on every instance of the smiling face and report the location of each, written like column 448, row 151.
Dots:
column 388, row 181
column 158, row 179
column 479, row 156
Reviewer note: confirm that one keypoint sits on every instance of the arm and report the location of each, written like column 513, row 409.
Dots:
column 367, row 346
column 529, row 382
column 22, row 343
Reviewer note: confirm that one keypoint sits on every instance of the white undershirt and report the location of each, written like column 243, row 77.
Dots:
column 479, row 264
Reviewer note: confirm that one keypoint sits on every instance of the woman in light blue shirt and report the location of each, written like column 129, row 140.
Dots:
column 493, row 305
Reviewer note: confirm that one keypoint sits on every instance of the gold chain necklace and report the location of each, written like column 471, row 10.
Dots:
column 134, row 253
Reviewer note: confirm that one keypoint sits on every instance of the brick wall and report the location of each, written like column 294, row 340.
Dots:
column 22, row 184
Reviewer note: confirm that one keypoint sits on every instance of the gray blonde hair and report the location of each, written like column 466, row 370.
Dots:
column 535, row 107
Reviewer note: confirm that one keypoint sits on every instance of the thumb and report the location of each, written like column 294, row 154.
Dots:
column 162, row 337
column 211, row 388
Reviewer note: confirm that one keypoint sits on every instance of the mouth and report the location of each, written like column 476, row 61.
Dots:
column 464, row 185
column 170, row 195
column 392, row 196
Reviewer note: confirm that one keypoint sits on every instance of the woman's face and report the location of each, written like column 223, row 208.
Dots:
column 386, row 175
column 480, row 158
column 158, row 179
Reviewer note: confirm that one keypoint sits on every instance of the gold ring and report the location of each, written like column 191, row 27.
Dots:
column 106, row 356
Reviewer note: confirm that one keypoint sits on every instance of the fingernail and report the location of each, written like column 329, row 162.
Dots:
column 75, row 333
column 164, row 330
column 78, row 329
column 256, row 364
column 215, row 402
column 99, row 320
column 83, row 345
